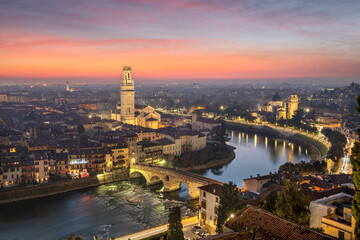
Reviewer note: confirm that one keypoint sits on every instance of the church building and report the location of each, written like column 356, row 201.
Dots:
column 283, row 109
column 130, row 113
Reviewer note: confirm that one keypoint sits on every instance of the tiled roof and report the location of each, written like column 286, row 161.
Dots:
column 272, row 226
column 231, row 236
column 212, row 188
column 340, row 178
column 149, row 143
column 314, row 181
column 273, row 187
column 313, row 195
column 164, row 141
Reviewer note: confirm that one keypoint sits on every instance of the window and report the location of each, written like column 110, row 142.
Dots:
column 36, row 163
column 217, row 199
column 341, row 235
column 215, row 221
column 37, row 169
column 216, row 210
column 203, row 204
column 204, row 194
column 203, row 216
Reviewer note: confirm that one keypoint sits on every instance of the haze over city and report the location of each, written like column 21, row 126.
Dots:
column 180, row 41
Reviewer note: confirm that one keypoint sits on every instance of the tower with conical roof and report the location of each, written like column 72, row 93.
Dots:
column 127, row 97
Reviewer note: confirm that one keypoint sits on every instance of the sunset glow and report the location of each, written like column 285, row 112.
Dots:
column 166, row 40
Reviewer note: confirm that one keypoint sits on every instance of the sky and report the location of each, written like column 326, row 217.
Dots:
column 180, row 40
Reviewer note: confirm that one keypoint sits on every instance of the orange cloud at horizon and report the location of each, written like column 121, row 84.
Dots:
column 40, row 56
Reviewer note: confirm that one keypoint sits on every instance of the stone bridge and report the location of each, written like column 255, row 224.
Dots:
column 171, row 178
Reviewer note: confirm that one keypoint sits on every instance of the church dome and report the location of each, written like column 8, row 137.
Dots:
column 276, row 98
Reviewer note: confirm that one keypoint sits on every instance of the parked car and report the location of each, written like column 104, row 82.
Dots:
column 202, row 233
column 207, row 234
column 195, row 229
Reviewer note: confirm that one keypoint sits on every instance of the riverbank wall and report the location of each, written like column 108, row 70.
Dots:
column 229, row 156
column 48, row 189
column 316, row 146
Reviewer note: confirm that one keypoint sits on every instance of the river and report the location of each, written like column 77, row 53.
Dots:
column 126, row 207
column 256, row 154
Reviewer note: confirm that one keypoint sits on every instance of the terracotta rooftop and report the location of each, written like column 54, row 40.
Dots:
column 212, row 188
column 340, row 178
column 314, row 195
column 273, row 187
column 316, row 182
column 272, row 226
column 164, row 141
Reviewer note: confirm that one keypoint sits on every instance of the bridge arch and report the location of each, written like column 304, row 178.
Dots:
column 155, row 180
column 192, row 188
column 136, row 174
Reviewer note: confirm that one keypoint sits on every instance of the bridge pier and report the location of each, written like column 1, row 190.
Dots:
column 171, row 188
column 193, row 190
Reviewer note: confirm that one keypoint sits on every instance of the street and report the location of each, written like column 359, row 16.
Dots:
column 187, row 224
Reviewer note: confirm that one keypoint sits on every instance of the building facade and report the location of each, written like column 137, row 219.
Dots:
column 209, row 199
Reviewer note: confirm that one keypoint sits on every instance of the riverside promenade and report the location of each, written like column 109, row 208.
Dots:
column 47, row 189
column 318, row 143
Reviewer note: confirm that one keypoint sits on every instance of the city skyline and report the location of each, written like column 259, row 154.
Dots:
column 260, row 41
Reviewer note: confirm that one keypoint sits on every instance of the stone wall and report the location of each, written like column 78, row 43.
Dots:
column 47, row 189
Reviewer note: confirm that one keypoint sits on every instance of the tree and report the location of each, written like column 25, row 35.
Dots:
column 229, row 204
column 292, row 203
column 355, row 162
column 175, row 226
column 81, row 128
column 338, row 142
column 269, row 204
column 219, row 132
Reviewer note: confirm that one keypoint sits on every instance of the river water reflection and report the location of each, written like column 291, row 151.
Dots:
column 121, row 207
column 256, row 154
column 127, row 207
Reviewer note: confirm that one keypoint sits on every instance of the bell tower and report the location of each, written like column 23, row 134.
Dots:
column 292, row 105
column 127, row 97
